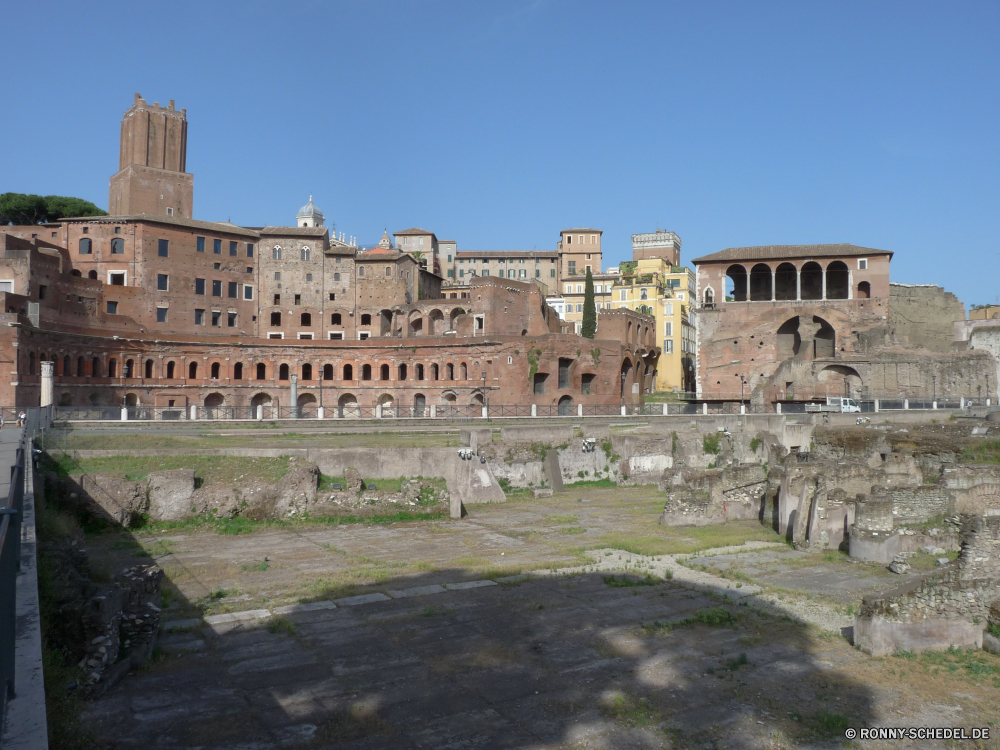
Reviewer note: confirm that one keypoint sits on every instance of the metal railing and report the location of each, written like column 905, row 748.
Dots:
column 10, row 566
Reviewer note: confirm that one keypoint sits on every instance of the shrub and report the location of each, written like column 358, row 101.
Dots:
column 710, row 444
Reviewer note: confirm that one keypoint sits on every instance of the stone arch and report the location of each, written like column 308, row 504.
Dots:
column 736, row 283
column 435, row 372
column 401, row 371
column 824, row 340
column 193, row 371
column 419, row 404
column 306, row 403
column 838, row 280
column 463, row 371
column 388, row 403
column 348, row 372
column 565, row 407
column 216, row 369
column 840, row 380
column 261, row 371
column 448, row 398
column 327, row 372
column 112, row 366
column 307, row 371
column 789, row 340
column 171, row 366
column 709, row 297
column 760, row 283
column 786, row 282
column 283, row 371
column 366, row 372
column 384, row 372
column 864, row 290
column 450, row 371
column 627, row 373
column 811, row 281
column 80, row 367
column 435, row 322
column 214, row 400
column 453, row 316
column 238, row 371
column 131, row 400
column 347, row 406
column 385, row 322
column 416, row 324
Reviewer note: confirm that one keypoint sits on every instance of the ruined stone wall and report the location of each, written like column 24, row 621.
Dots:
column 914, row 505
column 922, row 316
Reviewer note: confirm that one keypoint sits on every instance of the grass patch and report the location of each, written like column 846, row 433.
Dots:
column 674, row 540
column 603, row 483
column 631, row 710
column 281, row 624
column 710, row 444
column 209, row 470
column 631, row 581
column 558, row 519
column 240, row 525
column 259, row 567
column 712, row 616
column 984, row 452
column 825, row 725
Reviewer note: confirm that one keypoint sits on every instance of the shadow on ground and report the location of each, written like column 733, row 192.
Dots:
column 562, row 662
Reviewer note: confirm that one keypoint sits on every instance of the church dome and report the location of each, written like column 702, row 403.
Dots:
column 309, row 210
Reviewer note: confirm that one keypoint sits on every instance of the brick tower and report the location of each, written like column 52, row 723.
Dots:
column 153, row 156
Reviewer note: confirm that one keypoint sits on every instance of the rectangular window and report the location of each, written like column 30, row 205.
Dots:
column 233, row 290
column 862, row 264
column 621, row 294
column 668, row 308
column 333, row 296
column 306, row 336
column 579, row 307
column 486, row 272
column 277, row 299
column 163, row 247
column 249, row 269
column 42, row 289
column 249, row 249
column 668, row 346
column 538, row 273
column 298, row 299
column 336, row 335
column 588, row 258
column 364, row 335
column 276, row 335
column 336, row 277
column 669, row 328
column 277, row 275
column 232, row 248
column 569, row 289
column 199, row 317
column 572, row 268
column 112, row 308
column 451, row 273
column 216, row 315
column 117, row 278
column 201, row 244
column 579, row 288
column 461, row 273
column 199, row 286
column 231, row 322
column 161, row 315
column 309, row 277
column 247, row 291
column 217, row 247
column 216, row 288
column 162, row 282
column 449, row 259
column 524, row 273
column 552, row 273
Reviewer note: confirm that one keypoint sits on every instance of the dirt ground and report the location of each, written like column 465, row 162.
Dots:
column 580, row 661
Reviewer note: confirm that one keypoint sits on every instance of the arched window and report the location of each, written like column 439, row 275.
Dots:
column 388, row 270
column 66, row 366
column 238, row 371
column 95, row 367
column 435, row 372
column 361, row 270
column 283, row 372
column 86, row 246
column 261, row 371
column 80, row 367
column 838, row 280
column 348, row 372
column 327, row 372
column 117, row 246
column 112, row 367
column 92, row 275
column 75, row 273
column 335, row 319
column 307, row 372
column 420, row 372
column 129, row 368
column 215, row 370
column 451, row 371
column 170, row 370
column 384, row 372
column 305, row 253
column 306, row 319
column 864, row 290
column 760, row 283
column 366, row 372
column 193, row 371
column 401, row 372
column 149, row 368
column 276, row 253
column 736, row 284
column 464, row 370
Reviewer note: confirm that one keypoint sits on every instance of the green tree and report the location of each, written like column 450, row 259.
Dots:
column 589, row 309
column 18, row 208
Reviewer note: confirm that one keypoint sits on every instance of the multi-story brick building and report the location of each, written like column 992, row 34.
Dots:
column 154, row 308
column 797, row 322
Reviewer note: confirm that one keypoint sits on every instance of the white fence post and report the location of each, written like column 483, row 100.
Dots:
column 378, row 411
column 433, row 410
column 194, row 411
column 534, row 410
column 777, row 407
column 934, row 404
column 666, row 410
column 623, row 411
column 320, row 412
column 876, row 406
column 961, row 402
column 485, row 413
column 704, row 408
column 260, row 411
column 906, row 403
column 124, row 414
column 579, row 410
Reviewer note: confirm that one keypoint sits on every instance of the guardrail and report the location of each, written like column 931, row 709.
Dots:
column 10, row 566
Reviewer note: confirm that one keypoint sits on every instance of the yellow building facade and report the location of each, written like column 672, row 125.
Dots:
column 655, row 287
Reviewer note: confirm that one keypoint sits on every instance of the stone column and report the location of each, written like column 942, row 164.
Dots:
column 774, row 279
column 48, row 371
column 824, row 284
column 850, row 284
column 798, row 284
column 294, row 405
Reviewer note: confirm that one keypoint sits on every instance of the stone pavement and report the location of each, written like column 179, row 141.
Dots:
column 540, row 661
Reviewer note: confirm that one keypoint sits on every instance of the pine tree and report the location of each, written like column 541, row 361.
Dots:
column 589, row 309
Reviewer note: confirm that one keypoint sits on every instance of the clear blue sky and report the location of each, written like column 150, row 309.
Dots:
column 498, row 124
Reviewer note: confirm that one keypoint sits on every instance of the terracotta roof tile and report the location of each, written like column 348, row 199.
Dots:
column 775, row 252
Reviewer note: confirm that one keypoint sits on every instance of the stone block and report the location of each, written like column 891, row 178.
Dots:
column 250, row 614
column 182, row 624
column 416, row 591
column 170, row 494
column 353, row 601
column 468, row 585
column 292, row 609
column 879, row 636
column 991, row 643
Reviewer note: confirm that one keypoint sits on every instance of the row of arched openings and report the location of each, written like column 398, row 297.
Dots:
column 787, row 283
